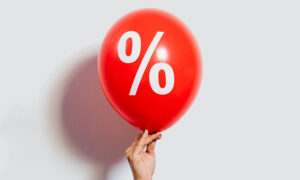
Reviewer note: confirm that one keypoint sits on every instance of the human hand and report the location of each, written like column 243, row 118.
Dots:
column 142, row 162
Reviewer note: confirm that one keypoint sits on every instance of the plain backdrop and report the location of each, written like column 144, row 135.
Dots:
column 56, row 124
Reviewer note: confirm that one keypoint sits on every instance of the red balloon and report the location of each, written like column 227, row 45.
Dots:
column 150, row 68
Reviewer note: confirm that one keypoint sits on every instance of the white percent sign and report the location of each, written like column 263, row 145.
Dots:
column 154, row 71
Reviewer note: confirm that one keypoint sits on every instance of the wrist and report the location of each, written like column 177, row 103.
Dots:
column 143, row 178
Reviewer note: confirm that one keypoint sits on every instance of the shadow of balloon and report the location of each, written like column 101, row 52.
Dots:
column 89, row 122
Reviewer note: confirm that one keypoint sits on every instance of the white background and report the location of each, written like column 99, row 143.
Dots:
column 244, row 123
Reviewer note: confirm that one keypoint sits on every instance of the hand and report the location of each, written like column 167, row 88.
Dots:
column 142, row 162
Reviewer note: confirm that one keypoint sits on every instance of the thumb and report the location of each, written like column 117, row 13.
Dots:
column 151, row 146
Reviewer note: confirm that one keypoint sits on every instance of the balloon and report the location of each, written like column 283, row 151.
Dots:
column 150, row 68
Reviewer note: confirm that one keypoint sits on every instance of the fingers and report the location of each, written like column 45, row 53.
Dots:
column 145, row 140
column 137, row 139
column 140, row 142
column 129, row 150
column 151, row 146
column 139, row 146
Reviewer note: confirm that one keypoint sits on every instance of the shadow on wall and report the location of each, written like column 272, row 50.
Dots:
column 89, row 122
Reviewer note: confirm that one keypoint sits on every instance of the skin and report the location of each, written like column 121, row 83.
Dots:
column 142, row 162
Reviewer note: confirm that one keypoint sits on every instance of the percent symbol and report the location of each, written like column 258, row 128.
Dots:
column 155, row 69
